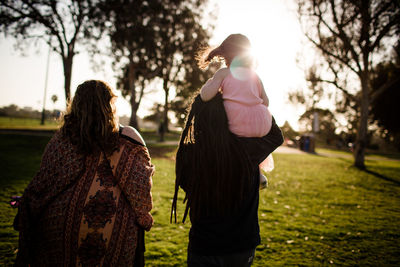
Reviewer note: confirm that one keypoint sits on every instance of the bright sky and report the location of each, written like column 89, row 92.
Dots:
column 271, row 26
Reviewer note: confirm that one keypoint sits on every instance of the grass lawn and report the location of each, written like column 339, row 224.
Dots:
column 317, row 210
column 27, row 123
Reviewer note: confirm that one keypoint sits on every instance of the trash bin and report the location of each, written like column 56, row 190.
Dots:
column 307, row 143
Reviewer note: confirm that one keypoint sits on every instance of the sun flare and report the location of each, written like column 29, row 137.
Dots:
column 275, row 41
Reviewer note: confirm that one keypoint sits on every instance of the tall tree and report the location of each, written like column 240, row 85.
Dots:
column 180, row 33
column 61, row 24
column 149, row 40
column 131, row 34
column 351, row 36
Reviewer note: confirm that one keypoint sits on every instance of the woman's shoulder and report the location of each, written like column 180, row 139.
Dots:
column 131, row 134
column 58, row 142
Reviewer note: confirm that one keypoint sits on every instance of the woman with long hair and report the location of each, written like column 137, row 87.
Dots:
column 90, row 200
column 219, row 173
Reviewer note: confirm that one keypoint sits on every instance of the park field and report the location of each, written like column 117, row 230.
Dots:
column 27, row 123
column 317, row 210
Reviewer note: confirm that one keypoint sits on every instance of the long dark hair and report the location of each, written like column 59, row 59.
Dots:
column 211, row 167
column 91, row 123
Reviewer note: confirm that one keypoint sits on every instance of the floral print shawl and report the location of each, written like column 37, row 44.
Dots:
column 85, row 210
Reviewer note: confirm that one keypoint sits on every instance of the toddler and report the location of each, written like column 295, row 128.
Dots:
column 245, row 100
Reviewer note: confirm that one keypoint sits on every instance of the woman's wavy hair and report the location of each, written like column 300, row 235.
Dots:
column 235, row 45
column 210, row 166
column 90, row 122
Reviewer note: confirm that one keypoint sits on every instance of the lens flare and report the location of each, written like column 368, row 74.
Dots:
column 239, row 68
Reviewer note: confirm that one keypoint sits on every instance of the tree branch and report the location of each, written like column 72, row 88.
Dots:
column 325, row 51
column 37, row 16
column 343, row 36
column 60, row 21
column 384, row 31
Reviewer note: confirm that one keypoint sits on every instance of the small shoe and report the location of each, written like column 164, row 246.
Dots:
column 263, row 181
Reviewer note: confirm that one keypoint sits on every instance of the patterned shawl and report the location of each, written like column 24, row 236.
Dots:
column 54, row 205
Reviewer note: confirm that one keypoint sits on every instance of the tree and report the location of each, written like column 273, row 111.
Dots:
column 315, row 98
column 60, row 24
column 180, row 33
column 187, row 88
column 326, row 120
column 288, row 131
column 385, row 107
column 149, row 40
column 351, row 36
column 130, row 27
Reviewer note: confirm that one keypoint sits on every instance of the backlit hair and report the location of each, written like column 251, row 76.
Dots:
column 91, row 123
column 235, row 45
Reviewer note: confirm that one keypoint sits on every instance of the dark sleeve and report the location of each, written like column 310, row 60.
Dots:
column 258, row 148
column 21, row 224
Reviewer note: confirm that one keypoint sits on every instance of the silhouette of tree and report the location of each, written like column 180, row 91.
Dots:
column 351, row 36
column 149, row 40
column 129, row 26
column 187, row 88
column 61, row 24
column 180, row 35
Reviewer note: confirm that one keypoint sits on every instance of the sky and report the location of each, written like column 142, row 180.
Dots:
column 271, row 26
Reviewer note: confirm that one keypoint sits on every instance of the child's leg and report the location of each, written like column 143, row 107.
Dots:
column 268, row 164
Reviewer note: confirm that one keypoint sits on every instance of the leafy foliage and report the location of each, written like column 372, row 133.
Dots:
column 288, row 131
column 61, row 24
column 350, row 36
column 385, row 108
column 154, row 41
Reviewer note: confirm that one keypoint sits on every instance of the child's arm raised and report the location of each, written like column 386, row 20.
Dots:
column 211, row 87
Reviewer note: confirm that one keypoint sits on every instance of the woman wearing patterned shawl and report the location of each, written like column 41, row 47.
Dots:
column 90, row 201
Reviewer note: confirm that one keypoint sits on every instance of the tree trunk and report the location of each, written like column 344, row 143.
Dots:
column 361, row 140
column 134, row 105
column 166, row 106
column 67, row 63
column 133, row 120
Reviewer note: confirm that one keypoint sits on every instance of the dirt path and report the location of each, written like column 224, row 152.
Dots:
column 288, row 150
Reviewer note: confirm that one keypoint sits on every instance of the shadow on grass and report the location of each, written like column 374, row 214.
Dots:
column 383, row 177
column 349, row 161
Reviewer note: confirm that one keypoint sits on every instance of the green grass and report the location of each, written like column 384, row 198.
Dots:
column 27, row 123
column 153, row 136
column 316, row 211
